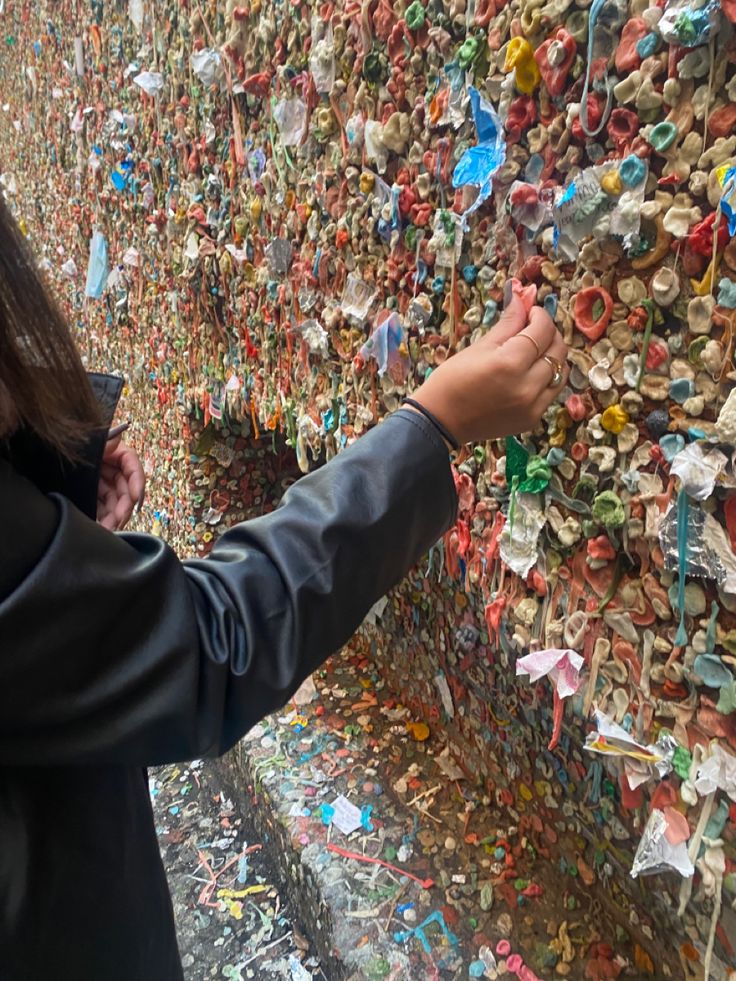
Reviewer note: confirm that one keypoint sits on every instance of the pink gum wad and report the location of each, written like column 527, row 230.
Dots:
column 527, row 294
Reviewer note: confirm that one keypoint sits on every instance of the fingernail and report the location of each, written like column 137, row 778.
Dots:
column 508, row 293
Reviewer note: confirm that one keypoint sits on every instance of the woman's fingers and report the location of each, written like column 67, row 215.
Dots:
column 531, row 343
column 542, row 373
column 512, row 320
column 123, row 512
column 120, row 464
column 123, row 504
column 132, row 469
column 549, row 394
column 122, row 487
column 115, row 502
column 503, row 384
column 106, row 511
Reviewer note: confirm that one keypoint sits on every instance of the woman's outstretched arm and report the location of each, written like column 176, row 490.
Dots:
column 112, row 650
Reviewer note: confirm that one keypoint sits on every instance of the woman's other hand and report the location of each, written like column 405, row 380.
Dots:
column 122, row 485
column 501, row 385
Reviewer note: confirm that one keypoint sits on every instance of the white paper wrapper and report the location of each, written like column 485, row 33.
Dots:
column 316, row 337
column 717, row 772
column 322, row 56
column 376, row 611
column 562, row 666
column 444, row 689
column 291, row 118
column 447, row 254
column 519, row 551
column 698, row 470
column 357, row 297
column 135, row 12
column 151, row 82
column 207, row 66
column 612, row 739
column 583, row 204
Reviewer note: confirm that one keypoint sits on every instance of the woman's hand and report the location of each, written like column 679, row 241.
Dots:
column 122, row 485
column 501, row 385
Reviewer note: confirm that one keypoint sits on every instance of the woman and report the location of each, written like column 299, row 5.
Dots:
column 114, row 655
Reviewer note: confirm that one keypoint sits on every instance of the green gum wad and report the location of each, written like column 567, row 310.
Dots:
column 608, row 510
column 695, row 350
column 415, row 16
column 681, row 760
column 662, row 136
column 585, row 488
column 380, row 968
column 590, row 206
column 538, row 473
column 372, row 67
column 468, row 52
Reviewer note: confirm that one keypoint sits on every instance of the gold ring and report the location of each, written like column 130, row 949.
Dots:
column 528, row 337
column 556, row 371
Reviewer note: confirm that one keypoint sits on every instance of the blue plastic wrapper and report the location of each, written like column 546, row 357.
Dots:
column 98, row 269
column 567, row 196
column 121, row 175
column 729, row 192
column 256, row 164
column 385, row 347
column 477, row 165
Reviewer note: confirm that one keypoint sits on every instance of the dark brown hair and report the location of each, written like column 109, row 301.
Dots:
column 43, row 384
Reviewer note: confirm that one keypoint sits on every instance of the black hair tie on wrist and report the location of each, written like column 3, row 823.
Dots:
column 430, row 417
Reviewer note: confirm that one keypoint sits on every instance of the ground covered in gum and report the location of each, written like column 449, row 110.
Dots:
column 437, row 880
column 242, row 927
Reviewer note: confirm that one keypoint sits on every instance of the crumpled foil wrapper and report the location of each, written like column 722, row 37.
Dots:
column 709, row 552
column 666, row 744
column 655, row 854
column 278, row 255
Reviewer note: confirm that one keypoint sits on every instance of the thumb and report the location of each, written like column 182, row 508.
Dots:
column 512, row 320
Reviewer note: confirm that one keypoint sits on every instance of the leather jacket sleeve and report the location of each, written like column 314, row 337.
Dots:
column 114, row 651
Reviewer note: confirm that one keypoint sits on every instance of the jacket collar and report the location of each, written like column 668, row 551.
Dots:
column 43, row 466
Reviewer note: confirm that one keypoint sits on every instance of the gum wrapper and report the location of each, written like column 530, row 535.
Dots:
column 519, row 545
column 478, row 164
column 583, row 206
column 655, row 854
column 709, row 553
column 690, row 24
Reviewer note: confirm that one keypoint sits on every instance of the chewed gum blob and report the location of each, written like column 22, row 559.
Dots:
column 592, row 311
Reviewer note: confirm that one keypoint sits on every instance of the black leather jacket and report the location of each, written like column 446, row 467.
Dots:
column 114, row 655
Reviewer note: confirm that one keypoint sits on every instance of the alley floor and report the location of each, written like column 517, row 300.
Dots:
column 232, row 920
